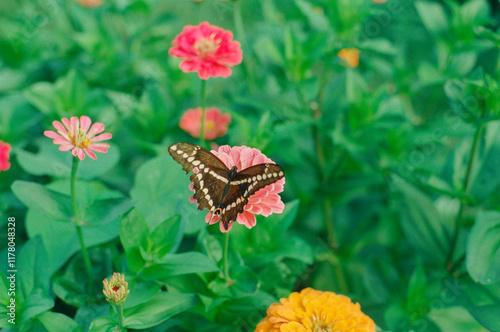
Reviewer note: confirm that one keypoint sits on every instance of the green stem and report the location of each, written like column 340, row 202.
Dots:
column 119, row 313
column 240, row 31
column 466, row 184
column 225, row 267
column 339, row 273
column 86, row 258
column 203, row 106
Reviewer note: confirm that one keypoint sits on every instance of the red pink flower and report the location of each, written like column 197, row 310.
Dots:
column 206, row 49
column 5, row 149
column 216, row 122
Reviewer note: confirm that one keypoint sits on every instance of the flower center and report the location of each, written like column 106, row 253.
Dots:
column 80, row 139
column 115, row 288
column 322, row 327
column 207, row 46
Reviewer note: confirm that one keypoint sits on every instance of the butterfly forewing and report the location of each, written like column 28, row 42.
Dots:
column 211, row 176
column 191, row 156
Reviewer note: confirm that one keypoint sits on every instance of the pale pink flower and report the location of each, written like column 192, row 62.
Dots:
column 207, row 50
column 90, row 3
column 76, row 136
column 264, row 202
column 216, row 122
column 5, row 149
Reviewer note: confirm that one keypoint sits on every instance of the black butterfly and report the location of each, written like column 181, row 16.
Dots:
column 223, row 191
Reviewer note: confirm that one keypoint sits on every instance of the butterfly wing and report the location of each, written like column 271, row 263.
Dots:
column 211, row 176
column 245, row 184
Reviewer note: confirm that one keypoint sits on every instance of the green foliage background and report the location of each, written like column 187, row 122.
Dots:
column 392, row 168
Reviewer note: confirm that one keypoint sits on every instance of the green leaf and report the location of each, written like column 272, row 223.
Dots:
column 104, row 324
column 161, row 307
column 454, row 319
column 483, row 248
column 422, row 223
column 32, row 261
column 72, row 90
column 37, row 302
column 44, row 97
column 166, row 236
column 57, row 322
column 316, row 19
column 433, row 16
column 178, row 264
column 104, row 211
column 72, row 284
column 161, row 191
column 133, row 230
column 61, row 239
column 52, row 162
column 278, row 223
column 485, row 174
column 48, row 202
column 88, row 313
column 487, row 315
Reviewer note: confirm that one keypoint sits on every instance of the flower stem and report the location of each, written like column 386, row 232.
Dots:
column 458, row 220
column 225, row 267
column 240, row 31
column 203, row 106
column 86, row 258
column 119, row 312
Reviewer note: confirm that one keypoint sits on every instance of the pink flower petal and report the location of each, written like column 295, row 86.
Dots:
column 90, row 154
column 97, row 148
column 81, row 154
column 102, row 137
column 66, row 147
column 52, row 134
column 75, row 125
column 67, row 124
column 59, row 126
column 85, row 123
column 96, row 128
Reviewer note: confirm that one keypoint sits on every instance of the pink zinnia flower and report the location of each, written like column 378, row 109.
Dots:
column 207, row 50
column 216, row 122
column 264, row 202
column 76, row 136
column 5, row 149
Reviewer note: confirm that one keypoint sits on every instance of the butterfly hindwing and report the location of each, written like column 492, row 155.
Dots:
column 254, row 178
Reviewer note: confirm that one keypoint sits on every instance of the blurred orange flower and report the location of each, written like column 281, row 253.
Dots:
column 216, row 122
column 379, row 1
column 90, row 3
column 349, row 57
column 312, row 310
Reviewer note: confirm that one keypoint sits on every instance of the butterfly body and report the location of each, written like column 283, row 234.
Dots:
column 222, row 191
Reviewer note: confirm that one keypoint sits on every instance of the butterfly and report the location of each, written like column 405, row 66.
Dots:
column 222, row 191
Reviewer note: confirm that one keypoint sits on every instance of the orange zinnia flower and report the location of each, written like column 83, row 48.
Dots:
column 314, row 311
column 349, row 56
